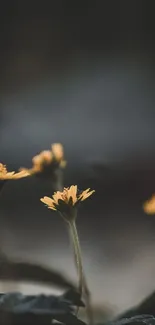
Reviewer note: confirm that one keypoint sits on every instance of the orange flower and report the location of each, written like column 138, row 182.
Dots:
column 58, row 153
column 66, row 201
column 5, row 175
column 149, row 206
column 47, row 159
column 40, row 161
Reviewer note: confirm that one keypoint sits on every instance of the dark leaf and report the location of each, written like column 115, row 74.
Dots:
column 74, row 297
column 16, row 308
column 23, row 271
column 145, row 311
column 136, row 320
column 147, row 306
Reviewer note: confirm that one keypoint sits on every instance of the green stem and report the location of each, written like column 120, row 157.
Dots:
column 77, row 251
column 58, row 181
column 82, row 280
column 88, row 302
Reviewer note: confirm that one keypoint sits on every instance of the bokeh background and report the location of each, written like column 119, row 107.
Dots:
column 81, row 73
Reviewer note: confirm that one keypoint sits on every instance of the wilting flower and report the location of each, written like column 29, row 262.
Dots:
column 149, row 206
column 47, row 161
column 5, row 175
column 66, row 201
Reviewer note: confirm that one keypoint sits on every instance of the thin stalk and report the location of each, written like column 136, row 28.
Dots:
column 87, row 294
column 82, row 280
column 78, row 255
column 58, row 181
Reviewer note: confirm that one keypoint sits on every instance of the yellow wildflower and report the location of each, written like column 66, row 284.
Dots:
column 149, row 206
column 58, row 153
column 47, row 160
column 5, row 175
column 66, row 201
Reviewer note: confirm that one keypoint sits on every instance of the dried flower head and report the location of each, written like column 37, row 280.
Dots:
column 66, row 201
column 149, row 206
column 5, row 175
column 47, row 161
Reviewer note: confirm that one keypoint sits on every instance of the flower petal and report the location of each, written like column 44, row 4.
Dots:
column 7, row 175
column 52, row 208
column 46, row 156
column 21, row 174
column 37, row 160
column 85, row 194
column 72, row 193
column 58, row 151
column 47, row 200
column 57, row 196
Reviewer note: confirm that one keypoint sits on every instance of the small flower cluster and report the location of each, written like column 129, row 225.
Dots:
column 46, row 159
column 48, row 164
column 64, row 201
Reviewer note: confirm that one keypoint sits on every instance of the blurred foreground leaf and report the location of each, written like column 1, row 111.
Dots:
column 23, row 271
column 142, row 313
column 147, row 306
column 17, row 309
column 135, row 320
column 138, row 319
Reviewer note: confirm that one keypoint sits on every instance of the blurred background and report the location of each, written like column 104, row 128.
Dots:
column 81, row 73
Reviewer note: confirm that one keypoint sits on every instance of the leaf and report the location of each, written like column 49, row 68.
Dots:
column 24, row 271
column 74, row 297
column 16, row 308
column 142, row 313
column 147, row 306
column 135, row 320
column 141, row 319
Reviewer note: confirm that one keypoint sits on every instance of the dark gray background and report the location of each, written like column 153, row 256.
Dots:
column 82, row 73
